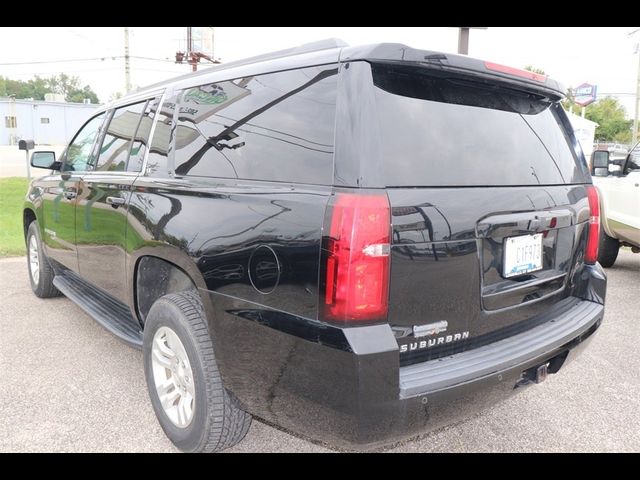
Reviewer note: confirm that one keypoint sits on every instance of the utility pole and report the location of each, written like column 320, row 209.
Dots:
column 190, row 57
column 193, row 57
column 127, row 67
column 463, row 39
column 635, row 118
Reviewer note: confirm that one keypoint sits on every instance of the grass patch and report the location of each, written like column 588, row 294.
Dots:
column 12, row 193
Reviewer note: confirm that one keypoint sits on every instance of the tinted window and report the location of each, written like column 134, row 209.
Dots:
column 275, row 127
column 82, row 150
column 439, row 131
column 141, row 139
column 633, row 163
column 117, row 139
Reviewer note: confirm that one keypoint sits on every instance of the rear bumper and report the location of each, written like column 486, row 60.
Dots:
column 440, row 392
column 558, row 334
column 353, row 393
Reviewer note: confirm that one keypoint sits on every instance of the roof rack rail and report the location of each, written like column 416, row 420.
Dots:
column 300, row 49
column 325, row 44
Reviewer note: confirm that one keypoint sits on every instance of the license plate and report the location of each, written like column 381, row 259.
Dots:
column 522, row 255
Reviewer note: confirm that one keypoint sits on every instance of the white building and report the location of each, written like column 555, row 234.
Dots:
column 46, row 122
column 585, row 132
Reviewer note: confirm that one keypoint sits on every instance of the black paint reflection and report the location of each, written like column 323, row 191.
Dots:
column 270, row 127
column 447, row 257
column 253, row 241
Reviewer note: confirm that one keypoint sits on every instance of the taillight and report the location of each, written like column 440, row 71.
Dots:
column 356, row 258
column 593, row 234
column 496, row 67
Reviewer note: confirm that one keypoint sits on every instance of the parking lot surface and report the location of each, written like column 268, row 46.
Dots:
column 69, row 385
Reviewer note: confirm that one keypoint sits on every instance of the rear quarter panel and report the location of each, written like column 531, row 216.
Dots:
column 252, row 248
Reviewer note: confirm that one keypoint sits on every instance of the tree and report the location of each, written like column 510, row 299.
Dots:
column 70, row 88
column 531, row 68
column 63, row 84
column 79, row 95
column 569, row 101
column 613, row 125
column 37, row 87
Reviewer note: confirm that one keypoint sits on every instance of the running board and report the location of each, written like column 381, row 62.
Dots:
column 106, row 310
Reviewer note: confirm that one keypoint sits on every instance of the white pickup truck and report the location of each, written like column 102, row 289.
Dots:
column 618, row 181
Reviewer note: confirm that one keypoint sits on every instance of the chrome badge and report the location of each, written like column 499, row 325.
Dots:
column 430, row 329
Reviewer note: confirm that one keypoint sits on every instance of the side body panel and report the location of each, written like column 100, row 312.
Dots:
column 101, row 230
column 251, row 247
column 620, row 200
column 55, row 198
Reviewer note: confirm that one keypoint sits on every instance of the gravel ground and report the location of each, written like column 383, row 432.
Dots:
column 68, row 385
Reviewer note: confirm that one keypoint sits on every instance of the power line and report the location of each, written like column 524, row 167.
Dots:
column 61, row 61
column 106, row 57
column 112, row 68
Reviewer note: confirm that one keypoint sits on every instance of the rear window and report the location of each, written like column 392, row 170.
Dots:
column 443, row 131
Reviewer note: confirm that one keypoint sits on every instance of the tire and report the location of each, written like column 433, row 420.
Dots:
column 217, row 422
column 607, row 250
column 40, row 271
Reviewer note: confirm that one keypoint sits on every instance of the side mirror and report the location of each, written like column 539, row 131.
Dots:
column 600, row 163
column 45, row 160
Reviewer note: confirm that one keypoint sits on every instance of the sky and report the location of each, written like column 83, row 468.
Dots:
column 573, row 55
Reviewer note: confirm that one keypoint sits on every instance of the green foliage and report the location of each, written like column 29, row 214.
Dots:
column 611, row 119
column 12, row 193
column 79, row 95
column 36, row 88
column 569, row 100
column 531, row 68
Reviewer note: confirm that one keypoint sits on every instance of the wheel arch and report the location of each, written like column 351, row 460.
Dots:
column 156, row 274
column 28, row 216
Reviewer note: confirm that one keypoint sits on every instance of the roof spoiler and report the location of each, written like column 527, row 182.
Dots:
column 395, row 52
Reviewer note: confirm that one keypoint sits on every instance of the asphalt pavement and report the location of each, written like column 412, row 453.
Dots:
column 70, row 386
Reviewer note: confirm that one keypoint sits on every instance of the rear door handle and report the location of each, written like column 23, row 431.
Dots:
column 115, row 202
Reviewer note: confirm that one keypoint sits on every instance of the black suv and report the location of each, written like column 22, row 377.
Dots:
column 354, row 243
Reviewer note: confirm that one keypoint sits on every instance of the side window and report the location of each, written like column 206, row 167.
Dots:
column 82, row 150
column 277, row 127
column 114, row 151
column 159, row 147
column 141, row 139
column 633, row 164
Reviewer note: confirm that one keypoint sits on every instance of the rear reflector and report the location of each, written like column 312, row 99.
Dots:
column 356, row 258
column 496, row 67
column 593, row 235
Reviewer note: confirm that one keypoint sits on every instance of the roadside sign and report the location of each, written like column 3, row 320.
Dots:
column 585, row 94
